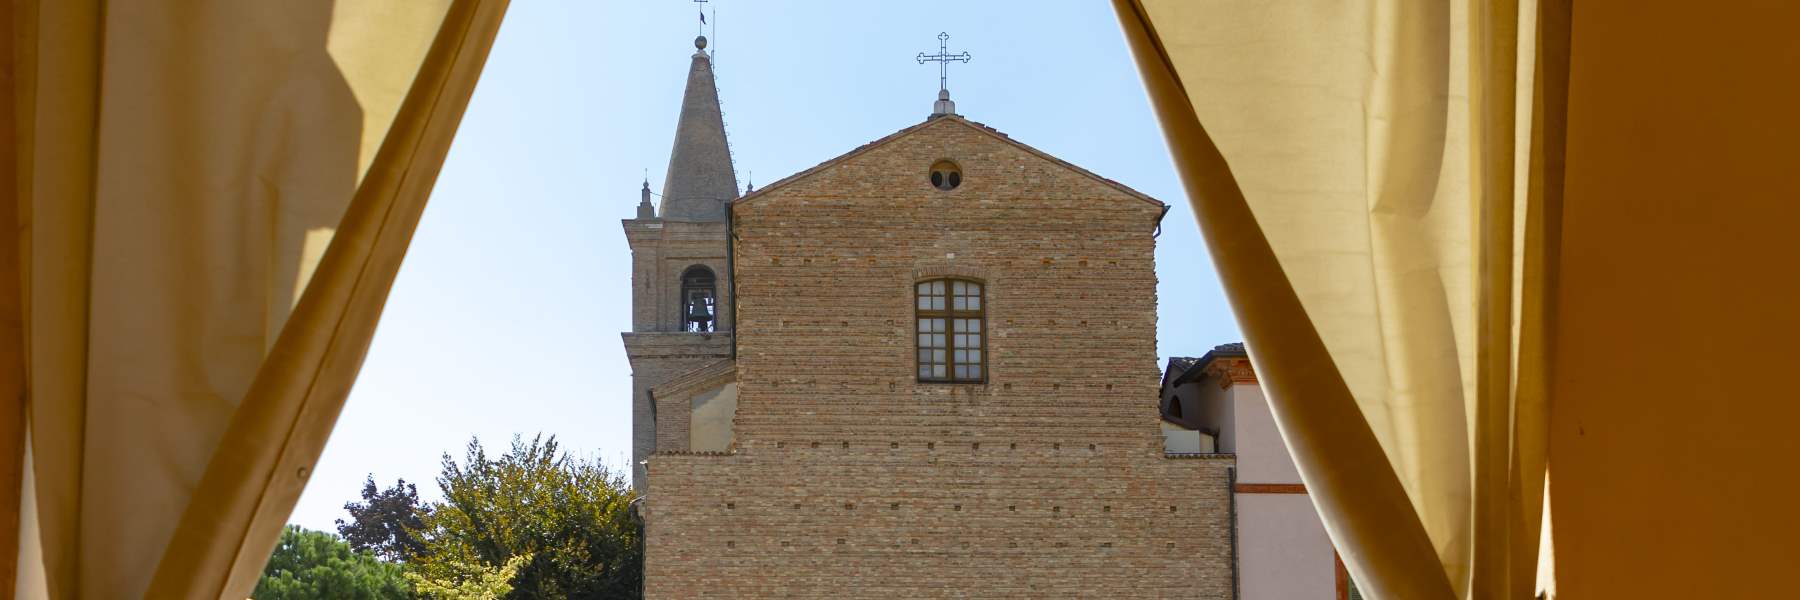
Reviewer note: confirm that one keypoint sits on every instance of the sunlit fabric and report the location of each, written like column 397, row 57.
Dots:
column 1466, row 240
column 214, row 200
column 1364, row 180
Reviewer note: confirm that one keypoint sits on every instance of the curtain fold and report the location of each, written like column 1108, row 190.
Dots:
column 261, row 466
column 1371, row 180
column 213, row 200
column 12, row 316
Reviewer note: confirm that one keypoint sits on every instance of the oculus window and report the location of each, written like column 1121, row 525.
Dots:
column 945, row 175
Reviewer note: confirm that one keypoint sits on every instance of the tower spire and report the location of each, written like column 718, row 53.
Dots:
column 700, row 177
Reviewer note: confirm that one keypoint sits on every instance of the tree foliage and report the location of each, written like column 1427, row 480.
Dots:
column 316, row 565
column 386, row 522
column 531, row 524
column 570, row 516
column 471, row 581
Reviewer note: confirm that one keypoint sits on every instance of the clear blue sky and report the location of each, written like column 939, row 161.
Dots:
column 506, row 316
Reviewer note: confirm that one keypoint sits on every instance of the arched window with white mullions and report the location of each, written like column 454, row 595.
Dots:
column 951, row 331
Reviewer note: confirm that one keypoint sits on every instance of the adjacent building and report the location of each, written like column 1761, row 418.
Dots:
column 1213, row 403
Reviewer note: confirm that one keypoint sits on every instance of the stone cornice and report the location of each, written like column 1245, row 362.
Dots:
column 693, row 453
column 644, row 344
column 1200, row 455
column 1230, row 371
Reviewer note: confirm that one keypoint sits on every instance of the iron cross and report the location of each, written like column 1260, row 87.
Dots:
column 943, row 58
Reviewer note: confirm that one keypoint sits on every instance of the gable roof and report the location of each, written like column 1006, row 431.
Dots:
column 696, row 380
column 933, row 120
column 1178, row 366
column 1198, row 368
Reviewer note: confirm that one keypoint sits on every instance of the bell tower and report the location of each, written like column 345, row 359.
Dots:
column 681, row 278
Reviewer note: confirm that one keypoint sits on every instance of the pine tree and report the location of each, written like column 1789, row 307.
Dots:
column 316, row 565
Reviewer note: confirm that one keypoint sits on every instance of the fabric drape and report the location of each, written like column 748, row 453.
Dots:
column 1374, row 181
column 12, row 319
column 1672, row 429
column 213, row 200
column 1444, row 290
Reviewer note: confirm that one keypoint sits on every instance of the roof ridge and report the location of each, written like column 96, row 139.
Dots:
column 977, row 126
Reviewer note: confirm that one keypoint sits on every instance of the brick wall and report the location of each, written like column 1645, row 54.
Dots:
column 851, row 480
column 874, row 522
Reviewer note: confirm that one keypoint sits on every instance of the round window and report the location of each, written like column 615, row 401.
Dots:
column 945, row 175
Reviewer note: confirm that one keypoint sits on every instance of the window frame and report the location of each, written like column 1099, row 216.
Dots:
column 950, row 314
column 951, row 174
column 681, row 300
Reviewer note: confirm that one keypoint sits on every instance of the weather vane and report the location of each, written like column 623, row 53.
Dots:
column 702, row 25
column 943, row 58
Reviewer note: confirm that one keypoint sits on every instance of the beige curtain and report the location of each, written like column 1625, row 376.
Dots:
column 213, row 199
column 1376, row 184
column 1465, row 240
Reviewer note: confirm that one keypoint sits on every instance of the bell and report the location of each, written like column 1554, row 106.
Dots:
column 697, row 313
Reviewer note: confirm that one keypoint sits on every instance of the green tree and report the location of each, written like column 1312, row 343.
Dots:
column 570, row 516
column 316, row 565
column 386, row 522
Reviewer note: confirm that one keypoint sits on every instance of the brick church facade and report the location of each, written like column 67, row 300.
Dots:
column 923, row 369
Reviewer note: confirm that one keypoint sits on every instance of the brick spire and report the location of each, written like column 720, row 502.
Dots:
column 700, row 179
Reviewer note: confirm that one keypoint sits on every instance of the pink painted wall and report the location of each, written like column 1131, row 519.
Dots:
column 1261, row 455
column 1283, row 551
